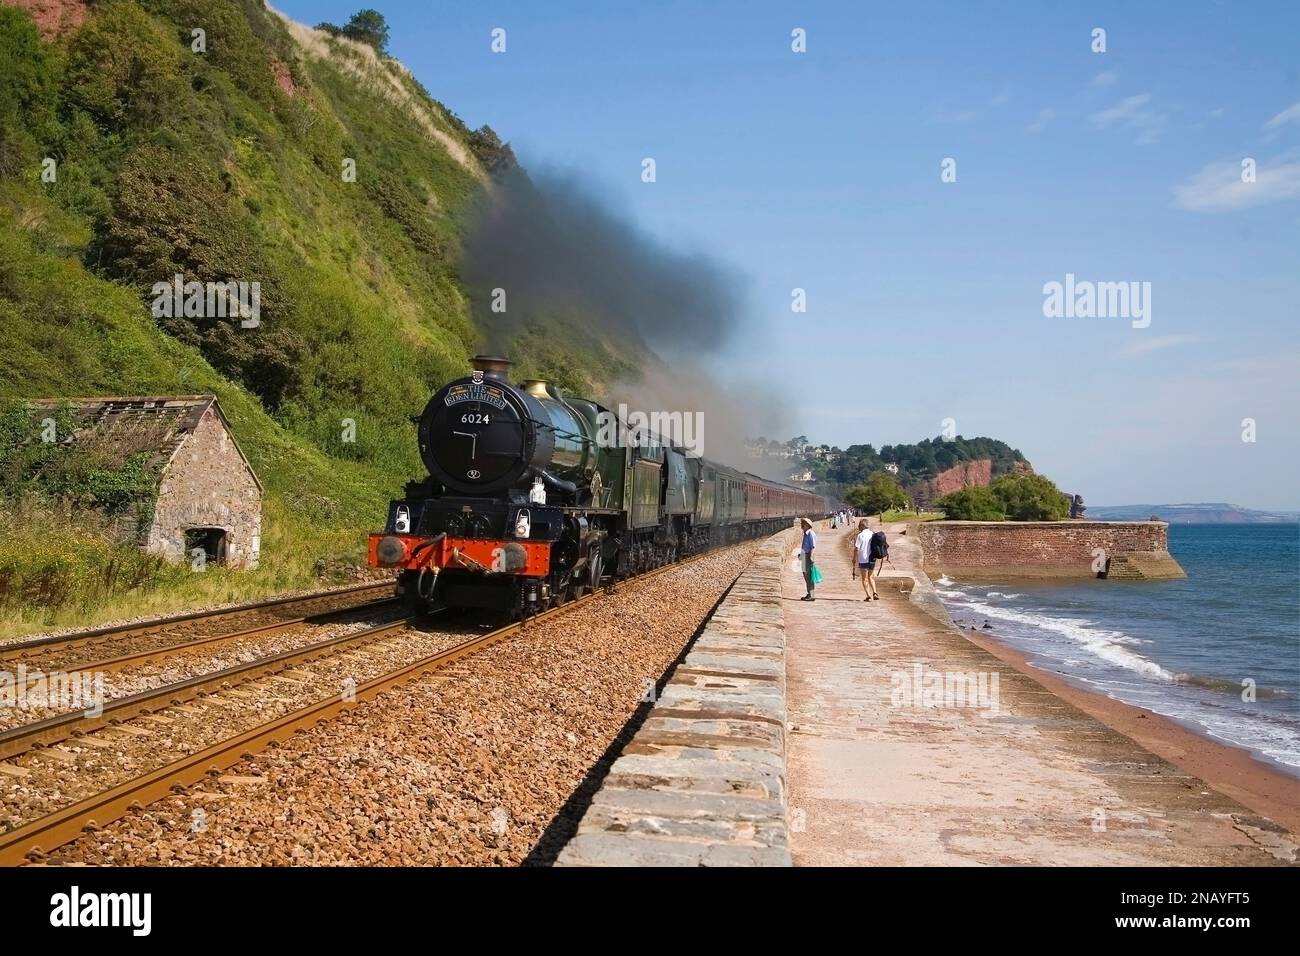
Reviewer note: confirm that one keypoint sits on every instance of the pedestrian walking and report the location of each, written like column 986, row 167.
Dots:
column 878, row 554
column 806, row 554
column 866, row 564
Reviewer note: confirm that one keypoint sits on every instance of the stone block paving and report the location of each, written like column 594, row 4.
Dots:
column 702, row 783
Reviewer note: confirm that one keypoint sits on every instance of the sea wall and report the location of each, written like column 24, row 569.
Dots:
column 987, row 550
column 702, row 783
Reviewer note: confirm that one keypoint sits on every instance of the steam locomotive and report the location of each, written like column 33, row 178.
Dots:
column 534, row 498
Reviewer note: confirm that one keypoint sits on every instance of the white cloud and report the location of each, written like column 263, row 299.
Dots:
column 1133, row 112
column 1149, row 343
column 975, row 114
column 1289, row 115
column 1040, row 122
column 1106, row 78
column 1218, row 187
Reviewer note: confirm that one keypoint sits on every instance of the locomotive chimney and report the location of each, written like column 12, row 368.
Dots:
column 493, row 366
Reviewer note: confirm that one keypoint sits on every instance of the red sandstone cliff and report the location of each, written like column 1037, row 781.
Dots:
column 53, row 16
column 969, row 474
column 966, row 475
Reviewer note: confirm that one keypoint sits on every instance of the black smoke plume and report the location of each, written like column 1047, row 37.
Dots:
column 559, row 251
column 556, row 249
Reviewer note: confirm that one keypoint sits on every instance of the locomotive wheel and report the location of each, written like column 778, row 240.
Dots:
column 562, row 593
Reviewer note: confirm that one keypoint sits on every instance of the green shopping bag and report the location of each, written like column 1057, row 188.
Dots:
column 816, row 575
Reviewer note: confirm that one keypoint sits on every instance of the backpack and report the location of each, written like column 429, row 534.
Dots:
column 879, row 545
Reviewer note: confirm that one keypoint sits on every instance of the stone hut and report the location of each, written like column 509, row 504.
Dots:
column 208, row 496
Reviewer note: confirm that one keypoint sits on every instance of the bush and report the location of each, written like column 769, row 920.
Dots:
column 972, row 504
column 1030, row 498
column 124, row 71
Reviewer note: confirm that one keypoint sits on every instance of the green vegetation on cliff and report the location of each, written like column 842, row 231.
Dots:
column 133, row 149
column 923, row 460
column 839, row 470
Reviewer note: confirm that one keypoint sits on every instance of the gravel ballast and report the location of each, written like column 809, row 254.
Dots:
column 472, row 765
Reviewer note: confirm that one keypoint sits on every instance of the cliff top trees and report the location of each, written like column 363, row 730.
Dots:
column 878, row 494
column 366, row 26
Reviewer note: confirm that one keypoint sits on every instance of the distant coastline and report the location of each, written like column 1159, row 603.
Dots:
column 1198, row 513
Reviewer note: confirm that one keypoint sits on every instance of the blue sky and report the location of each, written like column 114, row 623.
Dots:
column 821, row 171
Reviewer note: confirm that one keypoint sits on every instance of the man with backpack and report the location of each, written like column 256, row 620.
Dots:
column 871, row 551
column 862, row 556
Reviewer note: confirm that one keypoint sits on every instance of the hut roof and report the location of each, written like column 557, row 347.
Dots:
column 129, row 425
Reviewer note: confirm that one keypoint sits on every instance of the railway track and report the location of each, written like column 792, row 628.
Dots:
column 107, row 648
column 40, row 835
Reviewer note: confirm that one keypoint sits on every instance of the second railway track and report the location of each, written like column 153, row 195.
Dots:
column 37, row 826
column 121, row 643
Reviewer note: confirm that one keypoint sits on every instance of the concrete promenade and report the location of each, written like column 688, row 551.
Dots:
column 1000, row 772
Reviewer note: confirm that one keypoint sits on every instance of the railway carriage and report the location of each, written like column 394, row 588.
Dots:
column 533, row 497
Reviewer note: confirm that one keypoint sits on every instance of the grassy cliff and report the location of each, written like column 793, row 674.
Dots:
column 130, row 152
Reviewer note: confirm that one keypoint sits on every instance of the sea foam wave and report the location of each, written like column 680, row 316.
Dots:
column 1104, row 644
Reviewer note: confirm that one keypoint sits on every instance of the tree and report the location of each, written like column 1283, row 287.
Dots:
column 495, row 156
column 972, row 504
column 878, row 494
column 369, row 26
column 1030, row 498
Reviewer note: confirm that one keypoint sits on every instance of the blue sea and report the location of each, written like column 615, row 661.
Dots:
column 1179, row 648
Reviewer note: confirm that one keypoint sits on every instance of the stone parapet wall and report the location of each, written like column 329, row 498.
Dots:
column 1043, row 549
